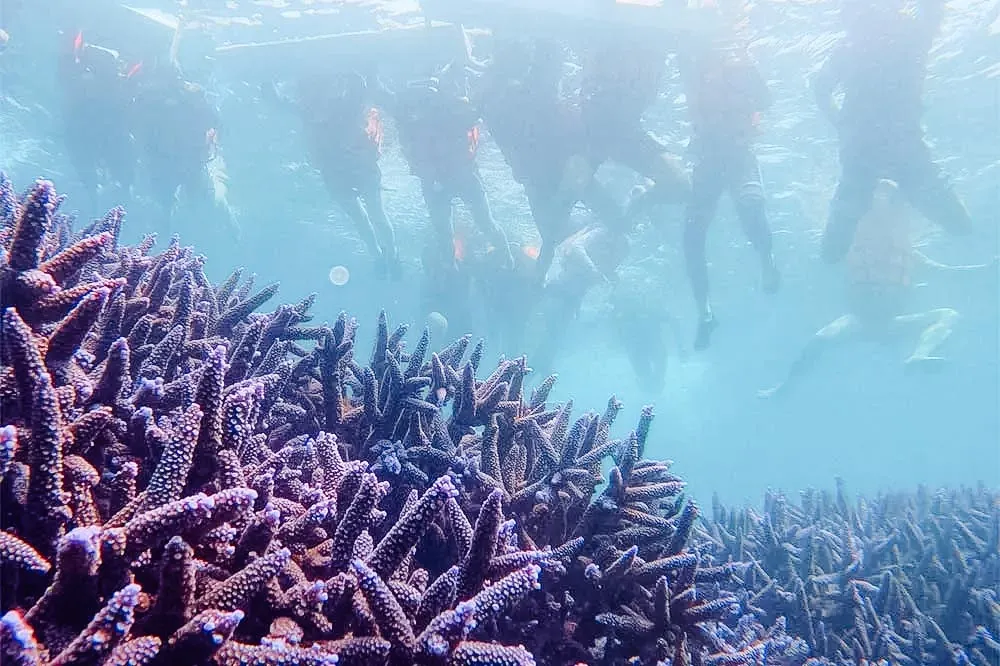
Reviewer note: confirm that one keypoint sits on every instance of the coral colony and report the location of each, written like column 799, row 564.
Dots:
column 188, row 481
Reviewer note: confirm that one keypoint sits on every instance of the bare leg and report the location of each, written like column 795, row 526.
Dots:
column 838, row 330
column 384, row 232
column 470, row 190
column 853, row 198
column 941, row 323
column 347, row 198
column 707, row 188
column 747, row 191
column 439, row 209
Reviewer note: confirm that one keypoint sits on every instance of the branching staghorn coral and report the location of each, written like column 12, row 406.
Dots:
column 901, row 578
column 186, row 480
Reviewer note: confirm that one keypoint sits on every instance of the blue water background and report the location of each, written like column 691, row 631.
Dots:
column 859, row 415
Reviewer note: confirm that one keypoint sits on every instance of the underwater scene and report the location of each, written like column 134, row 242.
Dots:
column 499, row 333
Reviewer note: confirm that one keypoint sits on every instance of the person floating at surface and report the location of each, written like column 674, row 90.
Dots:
column 881, row 66
column 621, row 80
column 643, row 326
column 439, row 134
column 178, row 132
column 96, row 90
column 880, row 265
column 591, row 256
column 726, row 95
column 344, row 132
column 542, row 138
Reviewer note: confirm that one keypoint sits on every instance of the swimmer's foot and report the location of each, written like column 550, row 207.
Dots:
column 638, row 199
column 765, row 394
column 924, row 363
column 706, row 326
column 770, row 278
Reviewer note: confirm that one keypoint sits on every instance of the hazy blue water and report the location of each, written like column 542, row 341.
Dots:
column 858, row 416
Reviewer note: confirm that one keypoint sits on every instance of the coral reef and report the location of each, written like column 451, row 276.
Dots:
column 185, row 480
column 900, row 579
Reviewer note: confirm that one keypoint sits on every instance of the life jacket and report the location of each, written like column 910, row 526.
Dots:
column 882, row 252
column 374, row 128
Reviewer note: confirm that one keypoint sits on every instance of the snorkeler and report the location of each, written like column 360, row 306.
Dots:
column 621, row 79
column 344, row 132
column 726, row 95
column 589, row 257
column 879, row 266
column 96, row 96
column 643, row 326
column 439, row 134
column 542, row 138
column 178, row 132
column 881, row 66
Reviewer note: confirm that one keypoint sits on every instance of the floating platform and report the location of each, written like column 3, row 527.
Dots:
column 573, row 21
column 276, row 37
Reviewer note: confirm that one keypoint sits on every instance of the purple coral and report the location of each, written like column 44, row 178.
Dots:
column 288, row 503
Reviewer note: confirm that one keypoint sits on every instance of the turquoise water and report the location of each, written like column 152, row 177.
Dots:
column 859, row 415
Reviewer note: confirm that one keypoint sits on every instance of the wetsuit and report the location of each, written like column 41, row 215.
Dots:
column 725, row 94
column 621, row 80
column 881, row 66
column 177, row 127
column 344, row 133
column 96, row 94
column 439, row 133
column 539, row 133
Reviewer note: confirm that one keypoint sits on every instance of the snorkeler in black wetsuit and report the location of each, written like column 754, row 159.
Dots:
column 177, row 129
column 621, row 80
column 542, row 138
column 96, row 96
column 344, row 133
column 881, row 66
column 439, row 133
column 726, row 95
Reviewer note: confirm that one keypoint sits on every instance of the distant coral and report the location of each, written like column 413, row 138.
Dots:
column 188, row 481
column 898, row 579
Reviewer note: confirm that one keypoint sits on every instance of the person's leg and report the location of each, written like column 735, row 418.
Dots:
column 644, row 342
column 929, row 190
column 707, row 185
column 552, row 221
column 469, row 188
column 370, row 190
column 642, row 152
column 939, row 324
column 84, row 156
column 439, row 209
column 851, row 201
column 838, row 330
column 341, row 190
column 746, row 187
